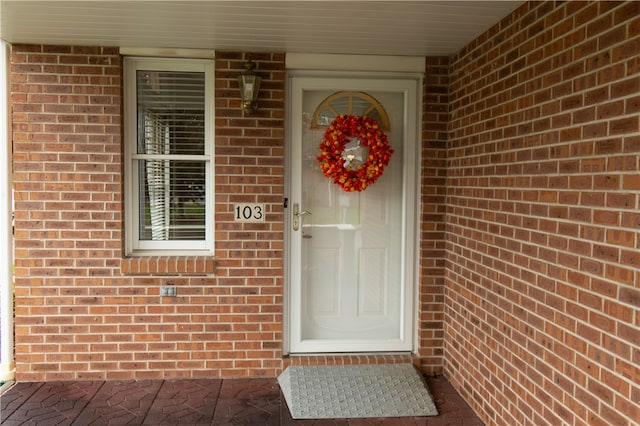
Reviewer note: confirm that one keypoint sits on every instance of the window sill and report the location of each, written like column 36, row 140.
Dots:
column 168, row 265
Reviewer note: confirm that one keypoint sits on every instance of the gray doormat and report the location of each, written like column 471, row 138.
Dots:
column 349, row 391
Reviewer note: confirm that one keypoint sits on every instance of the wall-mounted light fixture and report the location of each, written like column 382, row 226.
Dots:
column 249, row 84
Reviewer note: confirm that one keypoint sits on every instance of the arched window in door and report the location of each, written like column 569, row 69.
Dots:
column 349, row 102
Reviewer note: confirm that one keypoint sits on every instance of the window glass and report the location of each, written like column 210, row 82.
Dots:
column 170, row 206
column 172, row 200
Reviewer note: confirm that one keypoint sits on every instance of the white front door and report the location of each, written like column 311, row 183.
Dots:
column 352, row 254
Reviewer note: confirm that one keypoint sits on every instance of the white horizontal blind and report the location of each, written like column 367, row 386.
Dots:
column 170, row 155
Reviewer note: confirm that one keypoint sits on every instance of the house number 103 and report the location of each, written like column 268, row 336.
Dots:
column 248, row 213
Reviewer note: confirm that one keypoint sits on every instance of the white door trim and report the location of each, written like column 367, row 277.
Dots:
column 411, row 85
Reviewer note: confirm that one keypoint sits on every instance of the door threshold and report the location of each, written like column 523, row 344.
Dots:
column 392, row 353
column 359, row 358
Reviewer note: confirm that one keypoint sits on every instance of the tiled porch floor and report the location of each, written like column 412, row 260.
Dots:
column 190, row 402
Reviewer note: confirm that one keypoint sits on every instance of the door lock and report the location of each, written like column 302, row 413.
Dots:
column 297, row 214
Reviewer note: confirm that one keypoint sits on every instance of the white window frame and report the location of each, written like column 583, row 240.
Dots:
column 134, row 246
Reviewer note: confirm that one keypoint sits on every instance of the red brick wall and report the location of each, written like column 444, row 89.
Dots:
column 542, row 299
column 84, row 312
column 432, row 214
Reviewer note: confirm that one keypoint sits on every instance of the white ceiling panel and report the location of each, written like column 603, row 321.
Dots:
column 415, row 28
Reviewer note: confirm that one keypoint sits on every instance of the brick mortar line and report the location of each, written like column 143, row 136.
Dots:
column 545, row 320
column 465, row 377
column 529, row 216
column 569, row 144
column 538, row 274
column 530, row 134
column 456, row 95
column 456, row 98
column 515, row 27
column 561, row 374
column 542, row 361
column 493, row 401
column 528, row 176
column 451, row 214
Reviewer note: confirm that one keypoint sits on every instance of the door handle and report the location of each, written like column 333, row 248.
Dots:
column 297, row 214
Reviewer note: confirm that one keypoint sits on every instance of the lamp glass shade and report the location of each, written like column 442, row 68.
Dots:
column 249, row 84
column 249, row 87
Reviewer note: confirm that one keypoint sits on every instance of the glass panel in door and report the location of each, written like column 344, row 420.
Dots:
column 351, row 252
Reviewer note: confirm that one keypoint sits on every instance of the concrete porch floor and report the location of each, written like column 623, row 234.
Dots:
column 191, row 402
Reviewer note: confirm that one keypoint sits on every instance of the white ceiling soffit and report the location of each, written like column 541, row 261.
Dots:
column 345, row 27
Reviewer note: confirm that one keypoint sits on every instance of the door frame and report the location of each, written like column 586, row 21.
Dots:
column 412, row 83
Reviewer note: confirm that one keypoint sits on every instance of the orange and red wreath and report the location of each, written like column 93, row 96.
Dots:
column 354, row 152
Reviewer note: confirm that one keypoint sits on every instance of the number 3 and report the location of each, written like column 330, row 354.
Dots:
column 257, row 212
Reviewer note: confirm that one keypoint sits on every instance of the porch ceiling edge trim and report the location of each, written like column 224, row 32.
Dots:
column 338, row 62
column 168, row 52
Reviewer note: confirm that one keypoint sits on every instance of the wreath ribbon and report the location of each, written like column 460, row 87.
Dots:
column 364, row 137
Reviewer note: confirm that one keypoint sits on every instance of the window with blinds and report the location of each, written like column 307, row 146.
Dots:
column 169, row 155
